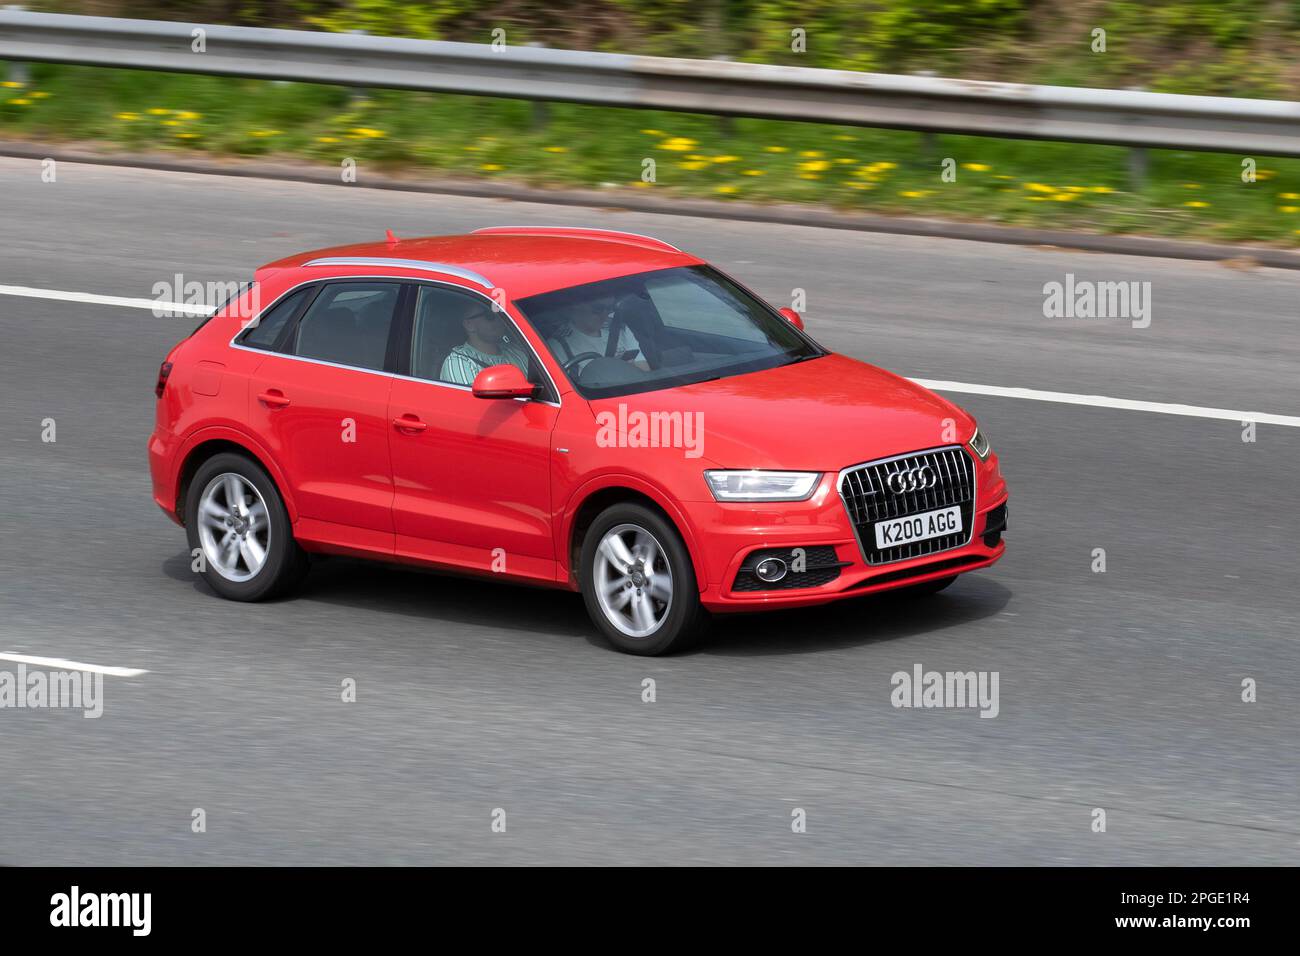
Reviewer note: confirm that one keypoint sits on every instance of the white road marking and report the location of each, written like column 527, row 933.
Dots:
column 1102, row 401
column 58, row 664
column 1002, row 391
column 179, row 308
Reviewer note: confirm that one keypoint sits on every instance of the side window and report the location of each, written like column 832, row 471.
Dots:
column 457, row 334
column 686, row 305
column 348, row 324
column 265, row 330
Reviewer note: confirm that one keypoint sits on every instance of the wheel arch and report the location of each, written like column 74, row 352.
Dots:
column 590, row 500
column 210, row 442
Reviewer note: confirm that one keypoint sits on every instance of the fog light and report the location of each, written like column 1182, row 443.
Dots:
column 770, row 570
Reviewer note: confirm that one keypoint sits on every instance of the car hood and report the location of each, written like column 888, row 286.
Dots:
column 819, row 415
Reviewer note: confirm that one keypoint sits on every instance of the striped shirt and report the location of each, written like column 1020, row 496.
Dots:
column 464, row 362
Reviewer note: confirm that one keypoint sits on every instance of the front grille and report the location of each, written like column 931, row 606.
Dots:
column 820, row 567
column 868, row 499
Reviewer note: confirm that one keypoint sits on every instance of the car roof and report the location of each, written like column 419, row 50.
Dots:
column 523, row 261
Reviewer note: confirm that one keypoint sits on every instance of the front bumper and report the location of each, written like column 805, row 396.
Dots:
column 729, row 535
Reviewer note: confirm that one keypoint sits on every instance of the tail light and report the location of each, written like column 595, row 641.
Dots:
column 164, row 370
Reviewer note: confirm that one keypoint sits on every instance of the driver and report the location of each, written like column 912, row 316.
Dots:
column 485, row 344
column 588, row 331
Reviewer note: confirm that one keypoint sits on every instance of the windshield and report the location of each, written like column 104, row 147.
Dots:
column 661, row 329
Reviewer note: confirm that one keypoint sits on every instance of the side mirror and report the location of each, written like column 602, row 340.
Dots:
column 793, row 317
column 503, row 381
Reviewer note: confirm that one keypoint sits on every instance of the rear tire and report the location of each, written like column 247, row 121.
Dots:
column 638, row 582
column 236, row 519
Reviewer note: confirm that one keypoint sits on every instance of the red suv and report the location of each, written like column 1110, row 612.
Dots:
column 583, row 409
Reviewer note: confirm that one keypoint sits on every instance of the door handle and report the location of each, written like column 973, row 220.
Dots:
column 409, row 423
column 273, row 398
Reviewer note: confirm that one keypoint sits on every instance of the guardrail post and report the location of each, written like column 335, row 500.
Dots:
column 17, row 72
column 1138, row 167
column 541, row 109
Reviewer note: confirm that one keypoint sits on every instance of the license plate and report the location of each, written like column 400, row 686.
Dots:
column 928, row 524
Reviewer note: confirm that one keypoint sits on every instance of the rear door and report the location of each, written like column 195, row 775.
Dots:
column 320, row 400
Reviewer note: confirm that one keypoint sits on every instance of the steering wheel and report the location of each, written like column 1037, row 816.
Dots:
column 580, row 357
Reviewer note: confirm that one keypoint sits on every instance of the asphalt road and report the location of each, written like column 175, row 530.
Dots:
column 1118, row 690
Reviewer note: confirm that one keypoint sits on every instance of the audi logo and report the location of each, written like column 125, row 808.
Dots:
column 919, row 478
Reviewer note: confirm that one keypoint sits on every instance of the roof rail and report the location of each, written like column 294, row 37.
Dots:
column 423, row 266
column 580, row 232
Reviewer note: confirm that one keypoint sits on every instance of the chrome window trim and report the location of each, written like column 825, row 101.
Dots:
column 423, row 266
column 378, row 371
column 974, row 500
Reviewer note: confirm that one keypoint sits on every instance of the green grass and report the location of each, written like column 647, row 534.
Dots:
column 1058, row 185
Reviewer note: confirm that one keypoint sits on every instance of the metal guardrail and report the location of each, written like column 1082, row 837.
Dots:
column 928, row 104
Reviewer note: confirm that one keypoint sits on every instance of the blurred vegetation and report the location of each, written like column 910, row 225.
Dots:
column 1223, row 47
column 1231, row 47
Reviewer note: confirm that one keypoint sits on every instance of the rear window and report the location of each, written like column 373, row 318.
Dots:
column 264, row 331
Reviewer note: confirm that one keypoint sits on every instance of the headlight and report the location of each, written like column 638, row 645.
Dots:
column 762, row 485
column 980, row 445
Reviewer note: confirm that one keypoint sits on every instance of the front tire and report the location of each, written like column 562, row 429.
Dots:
column 236, row 519
column 638, row 581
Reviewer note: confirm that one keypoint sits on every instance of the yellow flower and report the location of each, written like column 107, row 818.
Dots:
column 776, row 149
column 1281, row 195
column 694, row 164
column 492, row 167
column 815, row 166
column 555, row 149
column 753, row 172
column 171, row 122
column 1040, row 188
column 188, row 115
column 1102, row 189
column 39, row 95
column 812, row 153
column 1291, row 208
column 21, row 101
column 1002, row 176
column 975, row 167
column 327, row 139
column 641, row 183
column 126, row 116
column 886, row 165
column 725, row 159
column 187, row 135
column 1076, row 189
column 1195, row 204
column 843, row 138
column 915, row 193
column 367, row 132
column 845, row 161
column 1064, row 197
column 728, row 189
column 263, row 133
column 12, row 85
column 1265, row 173
column 809, row 176
column 652, row 132
column 1191, row 185
column 678, row 144
column 158, row 111
column 862, row 185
